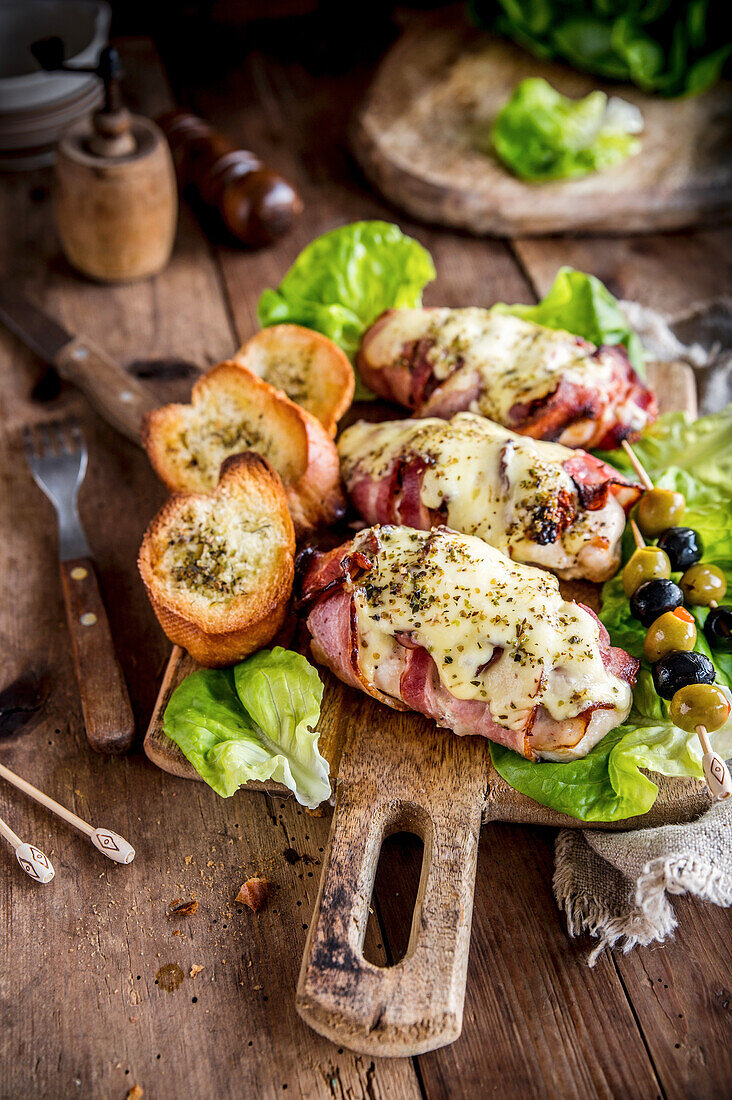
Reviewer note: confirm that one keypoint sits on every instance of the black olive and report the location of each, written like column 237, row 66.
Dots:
column 655, row 598
column 718, row 627
column 677, row 670
column 683, row 546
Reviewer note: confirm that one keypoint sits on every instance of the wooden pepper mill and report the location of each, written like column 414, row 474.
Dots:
column 116, row 199
column 255, row 203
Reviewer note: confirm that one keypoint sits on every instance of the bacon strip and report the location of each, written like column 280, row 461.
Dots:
column 574, row 414
column 413, row 678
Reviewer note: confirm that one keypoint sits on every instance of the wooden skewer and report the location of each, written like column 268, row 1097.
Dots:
column 637, row 465
column 716, row 771
column 35, row 864
column 640, row 542
column 104, row 840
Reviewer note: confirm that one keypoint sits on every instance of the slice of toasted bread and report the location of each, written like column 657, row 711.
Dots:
column 232, row 411
column 307, row 366
column 218, row 567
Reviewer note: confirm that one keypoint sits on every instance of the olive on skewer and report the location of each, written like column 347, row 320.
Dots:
column 680, row 670
column 654, row 598
column 702, row 709
column 718, row 627
column 703, row 585
column 658, row 510
column 683, row 546
column 674, row 631
column 681, row 675
column 646, row 563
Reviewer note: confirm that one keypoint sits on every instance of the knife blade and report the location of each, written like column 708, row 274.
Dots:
column 119, row 398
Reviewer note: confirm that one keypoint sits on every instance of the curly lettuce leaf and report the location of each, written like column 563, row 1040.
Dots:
column 542, row 135
column 581, row 788
column 701, row 449
column 255, row 722
column 343, row 280
column 607, row 784
column 581, row 304
column 694, row 458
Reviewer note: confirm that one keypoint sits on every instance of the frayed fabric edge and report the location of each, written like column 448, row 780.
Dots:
column 650, row 917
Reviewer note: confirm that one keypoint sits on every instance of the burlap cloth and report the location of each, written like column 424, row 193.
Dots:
column 617, row 886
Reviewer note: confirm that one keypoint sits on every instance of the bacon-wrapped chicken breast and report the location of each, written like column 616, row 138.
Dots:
column 444, row 624
column 537, row 381
column 540, row 503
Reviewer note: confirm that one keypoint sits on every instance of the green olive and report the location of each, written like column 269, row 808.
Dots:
column 658, row 510
column 671, row 632
column 645, row 564
column 703, row 584
column 699, row 705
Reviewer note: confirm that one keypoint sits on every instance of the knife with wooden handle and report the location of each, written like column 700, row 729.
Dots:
column 118, row 398
column 123, row 402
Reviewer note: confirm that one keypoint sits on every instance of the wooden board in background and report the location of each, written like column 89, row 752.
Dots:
column 431, row 106
column 382, row 731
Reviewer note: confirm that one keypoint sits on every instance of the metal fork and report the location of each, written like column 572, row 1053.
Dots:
column 57, row 456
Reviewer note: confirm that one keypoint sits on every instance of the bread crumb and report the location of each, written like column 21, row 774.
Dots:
column 254, row 893
column 135, row 1093
column 195, row 969
column 180, row 908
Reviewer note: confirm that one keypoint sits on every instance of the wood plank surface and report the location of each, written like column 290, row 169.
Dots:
column 680, row 992
column 75, row 1018
column 299, row 121
column 538, row 1022
column 81, row 1010
column 669, row 273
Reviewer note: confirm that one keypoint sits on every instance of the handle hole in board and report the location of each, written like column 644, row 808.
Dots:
column 394, row 896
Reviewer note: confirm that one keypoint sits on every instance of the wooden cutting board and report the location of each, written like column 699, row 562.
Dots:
column 397, row 772
column 378, row 732
column 432, row 103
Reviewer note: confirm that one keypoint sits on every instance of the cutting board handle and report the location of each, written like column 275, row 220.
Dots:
column 416, row 1005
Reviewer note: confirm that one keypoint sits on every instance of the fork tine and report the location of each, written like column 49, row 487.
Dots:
column 77, row 436
column 29, row 445
column 47, row 443
column 60, row 440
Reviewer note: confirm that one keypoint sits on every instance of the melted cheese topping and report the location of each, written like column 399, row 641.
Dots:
column 513, row 360
column 490, row 482
column 461, row 599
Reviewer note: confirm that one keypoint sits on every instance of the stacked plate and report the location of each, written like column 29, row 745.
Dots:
column 36, row 108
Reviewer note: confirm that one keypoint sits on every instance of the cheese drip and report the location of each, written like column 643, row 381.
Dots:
column 515, row 361
column 461, row 599
column 490, row 482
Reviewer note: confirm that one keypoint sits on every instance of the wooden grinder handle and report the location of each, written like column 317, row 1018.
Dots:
column 416, row 1005
column 108, row 717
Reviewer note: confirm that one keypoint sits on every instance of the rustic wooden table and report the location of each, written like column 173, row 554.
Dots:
column 81, row 1010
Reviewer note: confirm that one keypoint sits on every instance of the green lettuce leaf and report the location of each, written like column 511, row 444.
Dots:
column 607, row 784
column 343, row 280
column 580, row 788
column 694, row 458
column 542, row 135
column 672, row 47
column 253, row 722
column 583, row 305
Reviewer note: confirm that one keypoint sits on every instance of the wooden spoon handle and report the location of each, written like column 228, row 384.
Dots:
column 108, row 717
column 417, row 1004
